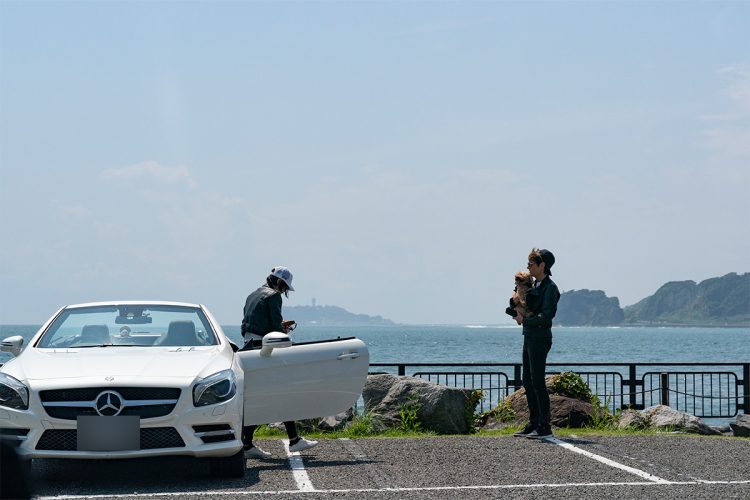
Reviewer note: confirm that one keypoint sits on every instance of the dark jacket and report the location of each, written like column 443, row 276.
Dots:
column 262, row 312
column 542, row 302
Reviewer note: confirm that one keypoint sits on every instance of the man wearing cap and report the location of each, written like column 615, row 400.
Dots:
column 262, row 315
column 537, row 341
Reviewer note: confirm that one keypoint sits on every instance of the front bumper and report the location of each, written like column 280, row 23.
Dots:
column 208, row 431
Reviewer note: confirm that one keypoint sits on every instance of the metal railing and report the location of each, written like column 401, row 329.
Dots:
column 706, row 390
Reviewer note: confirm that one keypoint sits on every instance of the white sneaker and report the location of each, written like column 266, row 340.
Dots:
column 256, row 452
column 302, row 444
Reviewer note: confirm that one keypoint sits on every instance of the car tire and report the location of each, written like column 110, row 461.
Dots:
column 232, row 466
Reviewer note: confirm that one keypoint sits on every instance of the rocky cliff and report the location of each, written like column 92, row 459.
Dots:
column 723, row 301
column 588, row 308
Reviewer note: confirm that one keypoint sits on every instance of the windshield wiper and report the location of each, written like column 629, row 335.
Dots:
column 110, row 345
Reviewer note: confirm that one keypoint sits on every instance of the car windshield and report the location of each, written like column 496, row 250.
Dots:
column 129, row 325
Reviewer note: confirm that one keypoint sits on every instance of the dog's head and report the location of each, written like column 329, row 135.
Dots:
column 523, row 280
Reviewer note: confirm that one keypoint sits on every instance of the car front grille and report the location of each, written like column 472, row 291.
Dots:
column 144, row 402
column 151, row 438
column 90, row 393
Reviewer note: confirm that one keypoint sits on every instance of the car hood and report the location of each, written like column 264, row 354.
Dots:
column 122, row 362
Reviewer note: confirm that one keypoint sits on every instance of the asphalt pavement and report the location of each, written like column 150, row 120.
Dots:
column 467, row 467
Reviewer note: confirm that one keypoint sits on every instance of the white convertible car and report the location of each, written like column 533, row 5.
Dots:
column 137, row 379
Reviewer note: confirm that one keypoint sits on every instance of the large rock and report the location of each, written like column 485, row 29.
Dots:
column 336, row 422
column 632, row 419
column 661, row 417
column 438, row 408
column 741, row 427
column 376, row 388
column 565, row 411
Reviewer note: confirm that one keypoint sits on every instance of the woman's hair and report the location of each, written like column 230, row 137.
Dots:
column 535, row 256
column 278, row 284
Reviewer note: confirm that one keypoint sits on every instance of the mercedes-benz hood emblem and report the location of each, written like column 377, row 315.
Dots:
column 108, row 404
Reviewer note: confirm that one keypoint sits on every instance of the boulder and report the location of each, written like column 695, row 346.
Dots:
column 632, row 419
column 661, row 417
column 376, row 388
column 332, row 423
column 565, row 411
column 438, row 408
column 741, row 427
column 722, row 429
column 336, row 422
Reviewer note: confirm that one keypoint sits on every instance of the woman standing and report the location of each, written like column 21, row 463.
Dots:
column 262, row 315
column 537, row 341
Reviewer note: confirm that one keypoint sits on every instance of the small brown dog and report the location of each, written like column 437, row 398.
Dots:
column 524, row 283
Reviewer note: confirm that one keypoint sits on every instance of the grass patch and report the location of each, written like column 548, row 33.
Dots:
column 408, row 413
column 265, row 432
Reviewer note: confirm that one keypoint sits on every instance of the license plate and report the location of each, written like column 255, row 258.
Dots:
column 118, row 433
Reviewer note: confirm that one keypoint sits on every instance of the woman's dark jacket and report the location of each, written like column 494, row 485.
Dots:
column 542, row 302
column 262, row 312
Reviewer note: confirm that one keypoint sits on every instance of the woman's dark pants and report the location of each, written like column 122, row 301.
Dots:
column 534, row 365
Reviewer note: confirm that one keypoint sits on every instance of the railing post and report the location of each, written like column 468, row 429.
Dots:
column 665, row 389
column 401, row 370
column 631, row 386
column 746, row 388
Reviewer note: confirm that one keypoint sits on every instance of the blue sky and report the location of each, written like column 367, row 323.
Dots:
column 401, row 158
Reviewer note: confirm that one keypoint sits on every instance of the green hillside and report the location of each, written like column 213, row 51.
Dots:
column 588, row 308
column 723, row 301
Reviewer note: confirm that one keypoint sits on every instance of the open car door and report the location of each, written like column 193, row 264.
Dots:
column 285, row 381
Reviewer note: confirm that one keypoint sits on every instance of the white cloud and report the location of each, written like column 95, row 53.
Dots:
column 730, row 137
column 738, row 88
column 152, row 171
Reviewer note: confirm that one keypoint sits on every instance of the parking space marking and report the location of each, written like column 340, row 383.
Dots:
column 298, row 469
column 381, row 480
column 607, row 461
column 238, row 493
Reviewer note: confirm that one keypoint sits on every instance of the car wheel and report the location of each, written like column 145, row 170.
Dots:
column 232, row 466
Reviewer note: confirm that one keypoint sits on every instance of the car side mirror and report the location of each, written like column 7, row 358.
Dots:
column 273, row 341
column 13, row 345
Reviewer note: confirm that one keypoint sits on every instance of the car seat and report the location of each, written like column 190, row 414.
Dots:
column 180, row 333
column 95, row 335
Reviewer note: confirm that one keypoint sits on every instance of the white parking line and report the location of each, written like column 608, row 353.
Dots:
column 239, row 493
column 607, row 461
column 298, row 469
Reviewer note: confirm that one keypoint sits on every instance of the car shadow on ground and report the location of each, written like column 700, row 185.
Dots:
column 51, row 477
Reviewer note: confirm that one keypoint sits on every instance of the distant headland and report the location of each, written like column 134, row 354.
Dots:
column 722, row 301
column 332, row 316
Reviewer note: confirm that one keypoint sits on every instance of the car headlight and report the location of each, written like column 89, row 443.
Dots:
column 13, row 393
column 217, row 388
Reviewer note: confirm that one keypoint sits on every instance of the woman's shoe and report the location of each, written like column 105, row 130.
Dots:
column 255, row 452
column 302, row 444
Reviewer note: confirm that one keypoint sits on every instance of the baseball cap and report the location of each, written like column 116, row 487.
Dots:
column 284, row 274
column 548, row 259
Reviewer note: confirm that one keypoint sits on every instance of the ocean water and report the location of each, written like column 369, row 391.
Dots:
column 502, row 344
